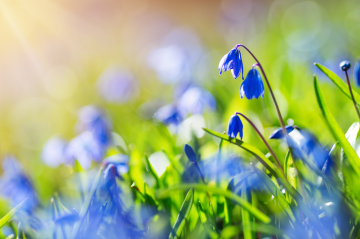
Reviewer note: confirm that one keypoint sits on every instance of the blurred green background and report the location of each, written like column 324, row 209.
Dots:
column 53, row 53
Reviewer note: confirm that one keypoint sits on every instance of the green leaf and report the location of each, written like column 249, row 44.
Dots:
column 201, row 187
column 249, row 148
column 10, row 214
column 261, row 157
column 274, row 190
column 183, row 214
column 247, row 219
column 338, row 82
column 152, row 171
column 85, row 206
column 335, row 129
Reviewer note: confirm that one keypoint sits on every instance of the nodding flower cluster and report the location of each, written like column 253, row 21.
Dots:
column 253, row 86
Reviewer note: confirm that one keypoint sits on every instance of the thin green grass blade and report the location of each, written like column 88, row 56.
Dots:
column 183, row 214
column 247, row 218
column 85, row 206
column 10, row 214
column 247, row 147
column 152, row 171
column 339, row 83
column 201, row 187
column 276, row 192
column 335, row 129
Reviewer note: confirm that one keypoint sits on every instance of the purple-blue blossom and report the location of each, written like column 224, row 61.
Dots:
column 195, row 100
column 235, row 127
column 232, row 61
column 53, row 152
column 16, row 186
column 168, row 115
column 85, row 148
column 118, row 85
column 94, row 120
column 253, row 86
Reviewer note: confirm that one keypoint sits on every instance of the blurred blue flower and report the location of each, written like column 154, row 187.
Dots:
column 195, row 100
column 84, row 148
column 119, row 161
column 94, row 120
column 168, row 115
column 53, row 152
column 190, row 154
column 117, row 85
column 305, row 142
column 16, row 185
column 253, row 86
column 170, row 63
column 235, row 127
column 357, row 72
column 232, row 61
column 278, row 133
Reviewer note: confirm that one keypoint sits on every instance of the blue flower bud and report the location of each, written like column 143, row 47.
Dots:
column 345, row 65
column 357, row 73
column 235, row 127
column 190, row 153
column 253, row 86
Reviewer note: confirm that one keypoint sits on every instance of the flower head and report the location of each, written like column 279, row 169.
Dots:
column 94, row 120
column 235, row 127
column 168, row 115
column 190, row 153
column 345, row 65
column 278, row 133
column 253, row 86
column 195, row 100
column 84, row 148
column 118, row 85
column 232, row 61
column 357, row 72
column 16, row 185
column 53, row 152
column 119, row 161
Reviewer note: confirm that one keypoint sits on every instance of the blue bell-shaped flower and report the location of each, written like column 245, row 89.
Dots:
column 190, row 153
column 232, row 61
column 253, row 86
column 235, row 127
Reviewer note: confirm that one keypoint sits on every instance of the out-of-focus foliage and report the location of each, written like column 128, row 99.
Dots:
column 114, row 120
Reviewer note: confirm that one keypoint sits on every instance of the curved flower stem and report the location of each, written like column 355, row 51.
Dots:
column 264, row 140
column 352, row 95
column 271, row 92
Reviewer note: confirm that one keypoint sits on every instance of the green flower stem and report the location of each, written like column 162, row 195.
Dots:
column 271, row 92
column 266, row 143
column 352, row 95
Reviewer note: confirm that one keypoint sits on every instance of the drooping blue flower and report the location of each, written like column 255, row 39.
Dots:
column 117, row 85
column 232, row 61
column 357, row 72
column 278, row 133
column 194, row 100
column 53, row 153
column 190, row 153
column 119, row 161
column 168, row 115
column 304, row 143
column 235, row 127
column 94, row 120
column 253, row 86
column 84, row 148
column 16, row 185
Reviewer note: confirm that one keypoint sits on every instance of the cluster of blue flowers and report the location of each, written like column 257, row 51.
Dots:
column 253, row 86
column 90, row 145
